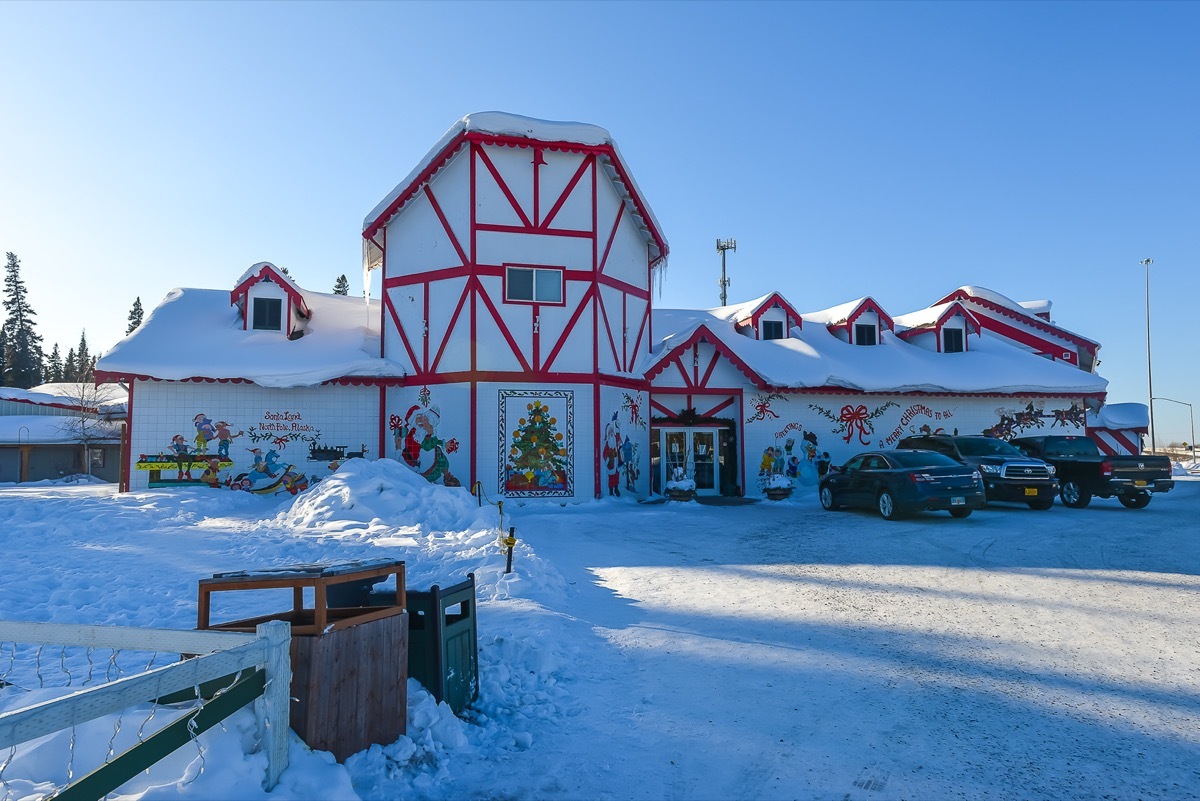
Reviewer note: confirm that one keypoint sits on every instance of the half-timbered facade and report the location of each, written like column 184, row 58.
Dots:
column 517, row 263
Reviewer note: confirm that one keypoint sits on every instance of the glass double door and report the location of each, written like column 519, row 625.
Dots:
column 694, row 452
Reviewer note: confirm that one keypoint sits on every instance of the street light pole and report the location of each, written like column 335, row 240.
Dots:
column 1191, row 420
column 1149, row 370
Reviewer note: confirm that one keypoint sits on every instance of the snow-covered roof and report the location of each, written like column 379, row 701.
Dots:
column 1027, row 310
column 195, row 333
column 814, row 357
column 499, row 123
column 928, row 318
column 44, row 429
column 740, row 312
column 105, row 398
column 1120, row 416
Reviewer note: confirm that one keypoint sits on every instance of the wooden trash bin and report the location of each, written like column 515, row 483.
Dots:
column 349, row 664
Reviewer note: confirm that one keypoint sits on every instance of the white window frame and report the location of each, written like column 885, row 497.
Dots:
column 543, row 278
column 873, row 328
column 782, row 333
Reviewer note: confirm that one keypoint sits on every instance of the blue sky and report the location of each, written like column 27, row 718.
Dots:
column 897, row 150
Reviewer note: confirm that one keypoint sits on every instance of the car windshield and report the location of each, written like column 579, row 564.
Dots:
column 1070, row 446
column 986, row 446
column 921, row 459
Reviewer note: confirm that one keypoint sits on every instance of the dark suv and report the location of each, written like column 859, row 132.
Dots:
column 1008, row 474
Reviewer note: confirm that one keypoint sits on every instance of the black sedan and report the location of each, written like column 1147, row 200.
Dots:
column 901, row 482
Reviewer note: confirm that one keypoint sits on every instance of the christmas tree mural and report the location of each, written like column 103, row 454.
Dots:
column 537, row 457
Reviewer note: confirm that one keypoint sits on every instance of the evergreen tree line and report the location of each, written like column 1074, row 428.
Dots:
column 24, row 364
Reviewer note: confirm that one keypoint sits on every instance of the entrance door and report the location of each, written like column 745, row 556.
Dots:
column 694, row 450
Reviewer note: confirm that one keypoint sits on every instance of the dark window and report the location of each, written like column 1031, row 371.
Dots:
column 268, row 314
column 864, row 334
column 533, row 285
column 952, row 340
column 924, row 459
column 772, row 329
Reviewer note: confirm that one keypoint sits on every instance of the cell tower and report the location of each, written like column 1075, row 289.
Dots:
column 722, row 246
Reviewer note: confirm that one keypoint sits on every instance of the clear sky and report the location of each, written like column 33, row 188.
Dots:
column 895, row 149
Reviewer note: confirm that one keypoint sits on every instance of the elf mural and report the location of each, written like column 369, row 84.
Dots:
column 268, row 473
column 538, row 457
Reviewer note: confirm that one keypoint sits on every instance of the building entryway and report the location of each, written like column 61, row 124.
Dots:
column 696, row 452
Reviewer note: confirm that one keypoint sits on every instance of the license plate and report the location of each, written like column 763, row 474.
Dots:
column 1031, row 490
column 958, row 500
column 1139, row 483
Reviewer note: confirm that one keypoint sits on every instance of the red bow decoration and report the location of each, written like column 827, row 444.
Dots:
column 855, row 417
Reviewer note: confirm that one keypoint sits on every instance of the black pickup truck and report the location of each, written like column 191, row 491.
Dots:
column 1084, row 471
column 1008, row 474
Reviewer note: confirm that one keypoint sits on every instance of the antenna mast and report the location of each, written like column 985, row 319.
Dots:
column 722, row 246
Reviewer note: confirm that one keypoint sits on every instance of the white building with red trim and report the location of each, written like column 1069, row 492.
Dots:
column 514, row 346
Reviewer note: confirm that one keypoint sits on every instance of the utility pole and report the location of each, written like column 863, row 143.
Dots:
column 722, row 246
column 1149, row 370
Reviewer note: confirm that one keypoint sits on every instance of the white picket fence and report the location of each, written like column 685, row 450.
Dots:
column 213, row 655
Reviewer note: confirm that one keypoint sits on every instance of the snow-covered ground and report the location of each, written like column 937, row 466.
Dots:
column 682, row 651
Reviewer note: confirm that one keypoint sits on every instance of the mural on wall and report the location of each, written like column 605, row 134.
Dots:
column 620, row 456
column 537, row 443
column 267, row 472
column 418, row 444
column 762, row 407
column 920, row 412
column 1021, row 421
column 799, row 460
column 854, row 420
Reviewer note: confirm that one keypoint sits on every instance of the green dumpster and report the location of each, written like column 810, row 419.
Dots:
column 443, row 642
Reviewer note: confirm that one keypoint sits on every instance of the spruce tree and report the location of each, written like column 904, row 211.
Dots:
column 83, row 360
column 54, row 367
column 23, row 345
column 69, row 367
column 341, row 286
column 135, row 315
column 3, row 356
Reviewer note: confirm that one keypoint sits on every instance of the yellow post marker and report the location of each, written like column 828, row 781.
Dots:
column 509, row 542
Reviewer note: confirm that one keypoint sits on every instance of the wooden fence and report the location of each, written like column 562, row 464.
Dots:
column 233, row 668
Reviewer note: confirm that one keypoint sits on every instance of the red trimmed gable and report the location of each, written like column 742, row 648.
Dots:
column 867, row 304
column 606, row 152
column 1039, row 323
column 774, row 300
column 703, row 334
column 268, row 272
column 955, row 309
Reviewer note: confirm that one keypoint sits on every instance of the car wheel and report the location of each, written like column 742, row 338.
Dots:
column 1074, row 495
column 960, row 513
column 887, row 506
column 1042, row 505
column 827, row 500
column 1138, row 500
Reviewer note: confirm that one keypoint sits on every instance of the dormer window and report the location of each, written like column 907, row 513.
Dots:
column 864, row 334
column 772, row 329
column 268, row 314
column 952, row 340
